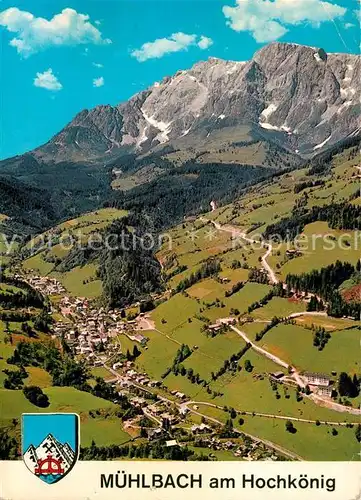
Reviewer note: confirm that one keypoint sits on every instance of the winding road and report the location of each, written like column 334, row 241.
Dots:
column 270, row 444
column 294, row 374
column 265, row 353
column 317, row 399
column 236, row 232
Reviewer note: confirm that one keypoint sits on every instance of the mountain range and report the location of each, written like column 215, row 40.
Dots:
column 299, row 97
column 287, row 105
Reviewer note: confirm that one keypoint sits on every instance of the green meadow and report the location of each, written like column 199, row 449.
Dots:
column 158, row 356
column 294, row 344
column 342, row 447
column 81, row 281
column 279, row 307
column 320, row 252
column 211, row 355
column 62, row 399
column 311, row 442
column 104, row 432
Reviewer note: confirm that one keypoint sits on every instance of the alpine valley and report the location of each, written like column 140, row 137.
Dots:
column 183, row 269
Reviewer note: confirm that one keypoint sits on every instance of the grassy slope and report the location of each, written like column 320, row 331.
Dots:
column 263, row 205
column 176, row 324
column 80, row 281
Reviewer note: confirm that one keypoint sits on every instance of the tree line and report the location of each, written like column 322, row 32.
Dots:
column 325, row 283
column 210, row 268
column 337, row 215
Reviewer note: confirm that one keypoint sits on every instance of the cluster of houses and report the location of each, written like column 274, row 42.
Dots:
column 248, row 450
column 90, row 329
column 130, row 376
column 44, row 285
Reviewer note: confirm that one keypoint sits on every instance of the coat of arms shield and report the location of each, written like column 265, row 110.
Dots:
column 50, row 444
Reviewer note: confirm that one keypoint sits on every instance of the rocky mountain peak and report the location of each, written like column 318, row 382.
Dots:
column 300, row 96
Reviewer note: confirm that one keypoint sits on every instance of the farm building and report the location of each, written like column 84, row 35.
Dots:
column 202, row 428
column 324, row 391
column 317, row 379
column 139, row 338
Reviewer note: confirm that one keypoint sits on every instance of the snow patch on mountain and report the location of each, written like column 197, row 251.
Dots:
column 319, row 146
column 267, row 112
column 284, row 88
column 160, row 125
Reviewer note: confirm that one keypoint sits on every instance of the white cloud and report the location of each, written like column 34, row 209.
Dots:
column 205, row 42
column 98, row 82
column 34, row 34
column 175, row 43
column 98, row 65
column 47, row 80
column 267, row 20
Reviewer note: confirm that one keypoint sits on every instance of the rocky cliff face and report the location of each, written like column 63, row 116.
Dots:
column 301, row 97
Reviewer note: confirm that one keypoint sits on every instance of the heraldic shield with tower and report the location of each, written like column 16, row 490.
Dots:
column 50, row 444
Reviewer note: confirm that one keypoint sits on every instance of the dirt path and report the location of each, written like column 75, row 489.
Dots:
column 265, row 353
column 236, row 232
column 332, row 405
column 319, row 400
column 307, row 313
column 274, row 446
column 269, row 415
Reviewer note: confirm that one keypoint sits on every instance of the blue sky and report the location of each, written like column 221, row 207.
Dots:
column 53, row 67
column 36, row 427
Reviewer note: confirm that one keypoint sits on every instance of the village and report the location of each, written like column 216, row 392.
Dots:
column 95, row 336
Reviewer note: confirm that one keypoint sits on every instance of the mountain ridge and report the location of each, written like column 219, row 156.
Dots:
column 295, row 95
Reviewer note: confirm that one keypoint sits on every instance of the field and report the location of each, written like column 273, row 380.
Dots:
column 190, row 334
column 100, row 371
column 176, row 310
column 182, row 384
column 37, row 376
column 294, row 344
column 247, row 392
column 310, row 442
column 250, row 293
column 62, row 399
column 103, row 431
column 327, row 323
column 159, row 355
column 319, row 251
column 344, row 446
column 212, row 353
column 252, row 328
column 279, row 307
column 6, row 350
column 38, row 264
column 81, row 281
column 56, row 245
column 222, row 455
